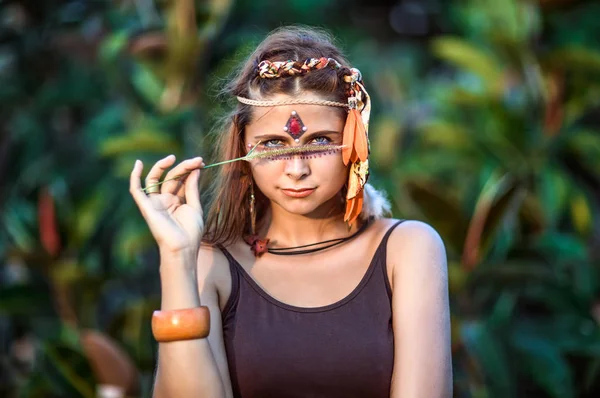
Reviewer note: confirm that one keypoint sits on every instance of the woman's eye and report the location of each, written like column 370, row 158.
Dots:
column 322, row 140
column 272, row 143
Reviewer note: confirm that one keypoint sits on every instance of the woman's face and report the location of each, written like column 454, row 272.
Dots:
column 298, row 184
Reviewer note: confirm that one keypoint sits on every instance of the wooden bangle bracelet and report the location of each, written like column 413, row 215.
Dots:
column 186, row 324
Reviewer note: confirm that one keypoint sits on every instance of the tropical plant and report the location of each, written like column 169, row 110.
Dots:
column 490, row 134
column 87, row 88
column 502, row 159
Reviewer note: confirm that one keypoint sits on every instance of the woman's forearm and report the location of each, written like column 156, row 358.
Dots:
column 185, row 368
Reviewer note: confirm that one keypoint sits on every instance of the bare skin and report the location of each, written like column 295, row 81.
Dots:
column 193, row 275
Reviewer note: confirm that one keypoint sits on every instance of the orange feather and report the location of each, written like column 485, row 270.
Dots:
column 357, row 207
column 349, row 207
column 354, row 155
column 360, row 140
column 348, row 137
column 353, row 208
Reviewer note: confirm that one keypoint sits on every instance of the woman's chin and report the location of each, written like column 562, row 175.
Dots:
column 310, row 208
column 301, row 209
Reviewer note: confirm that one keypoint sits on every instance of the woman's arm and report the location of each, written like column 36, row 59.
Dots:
column 192, row 368
column 421, row 314
column 173, row 212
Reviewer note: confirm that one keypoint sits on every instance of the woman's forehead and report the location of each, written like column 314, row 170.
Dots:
column 277, row 119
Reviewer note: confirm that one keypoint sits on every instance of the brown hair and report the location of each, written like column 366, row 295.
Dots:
column 228, row 215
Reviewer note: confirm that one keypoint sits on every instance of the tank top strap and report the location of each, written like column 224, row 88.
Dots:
column 386, row 237
column 235, row 281
column 381, row 256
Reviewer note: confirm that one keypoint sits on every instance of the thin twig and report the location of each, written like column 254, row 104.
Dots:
column 205, row 167
column 260, row 155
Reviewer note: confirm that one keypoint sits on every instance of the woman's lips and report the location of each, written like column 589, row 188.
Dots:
column 298, row 193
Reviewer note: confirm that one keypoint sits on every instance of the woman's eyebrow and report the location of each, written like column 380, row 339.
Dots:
column 274, row 135
column 322, row 132
column 308, row 135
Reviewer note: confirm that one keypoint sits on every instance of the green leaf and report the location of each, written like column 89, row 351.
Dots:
column 574, row 59
column 499, row 201
column 553, row 192
column 503, row 310
column 586, row 145
column 139, row 141
column 26, row 300
column 19, row 219
column 445, row 134
column 561, row 247
column 147, row 84
column 581, row 214
column 571, row 332
column 515, row 21
column 87, row 214
column 569, row 257
column 501, row 223
column 135, row 331
column 514, row 272
column 488, row 351
column 543, row 361
column 134, row 237
column 387, row 143
column 439, row 209
column 60, row 357
column 112, row 45
column 468, row 57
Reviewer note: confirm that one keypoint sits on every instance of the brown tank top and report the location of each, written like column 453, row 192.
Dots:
column 345, row 349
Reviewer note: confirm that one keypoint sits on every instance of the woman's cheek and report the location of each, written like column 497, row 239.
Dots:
column 266, row 174
column 331, row 165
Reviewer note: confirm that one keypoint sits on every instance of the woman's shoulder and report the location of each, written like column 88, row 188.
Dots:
column 213, row 268
column 213, row 264
column 410, row 233
column 210, row 255
column 414, row 242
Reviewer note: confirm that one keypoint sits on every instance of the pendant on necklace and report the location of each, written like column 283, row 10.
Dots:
column 257, row 245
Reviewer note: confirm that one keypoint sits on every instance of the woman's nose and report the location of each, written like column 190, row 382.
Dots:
column 296, row 167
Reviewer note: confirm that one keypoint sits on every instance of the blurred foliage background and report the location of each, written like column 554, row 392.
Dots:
column 486, row 124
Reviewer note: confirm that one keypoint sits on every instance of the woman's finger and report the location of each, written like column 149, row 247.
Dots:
column 135, row 187
column 175, row 185
column 192, row 192
column 158, row 169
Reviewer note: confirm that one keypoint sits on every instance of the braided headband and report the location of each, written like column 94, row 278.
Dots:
column 355, row 135
column 272, row 70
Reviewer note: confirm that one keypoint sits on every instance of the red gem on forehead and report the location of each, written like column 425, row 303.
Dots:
column 294, row 126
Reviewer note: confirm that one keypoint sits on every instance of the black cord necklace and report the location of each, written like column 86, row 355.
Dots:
column 292, row 251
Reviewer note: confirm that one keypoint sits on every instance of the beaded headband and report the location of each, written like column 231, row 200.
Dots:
column 355, row 135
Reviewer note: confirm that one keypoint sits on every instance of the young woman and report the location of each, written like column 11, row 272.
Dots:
column 300, row 287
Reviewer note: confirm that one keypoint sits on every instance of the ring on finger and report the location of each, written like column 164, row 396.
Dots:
column 152, row 189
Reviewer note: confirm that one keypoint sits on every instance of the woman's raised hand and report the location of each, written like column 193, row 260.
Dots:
column 172, row 209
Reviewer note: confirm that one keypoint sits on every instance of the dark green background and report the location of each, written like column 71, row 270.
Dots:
column 485, row 124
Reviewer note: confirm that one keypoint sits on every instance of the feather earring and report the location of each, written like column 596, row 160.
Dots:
column 348, row 136
column 355, row 142
column 356, row 146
